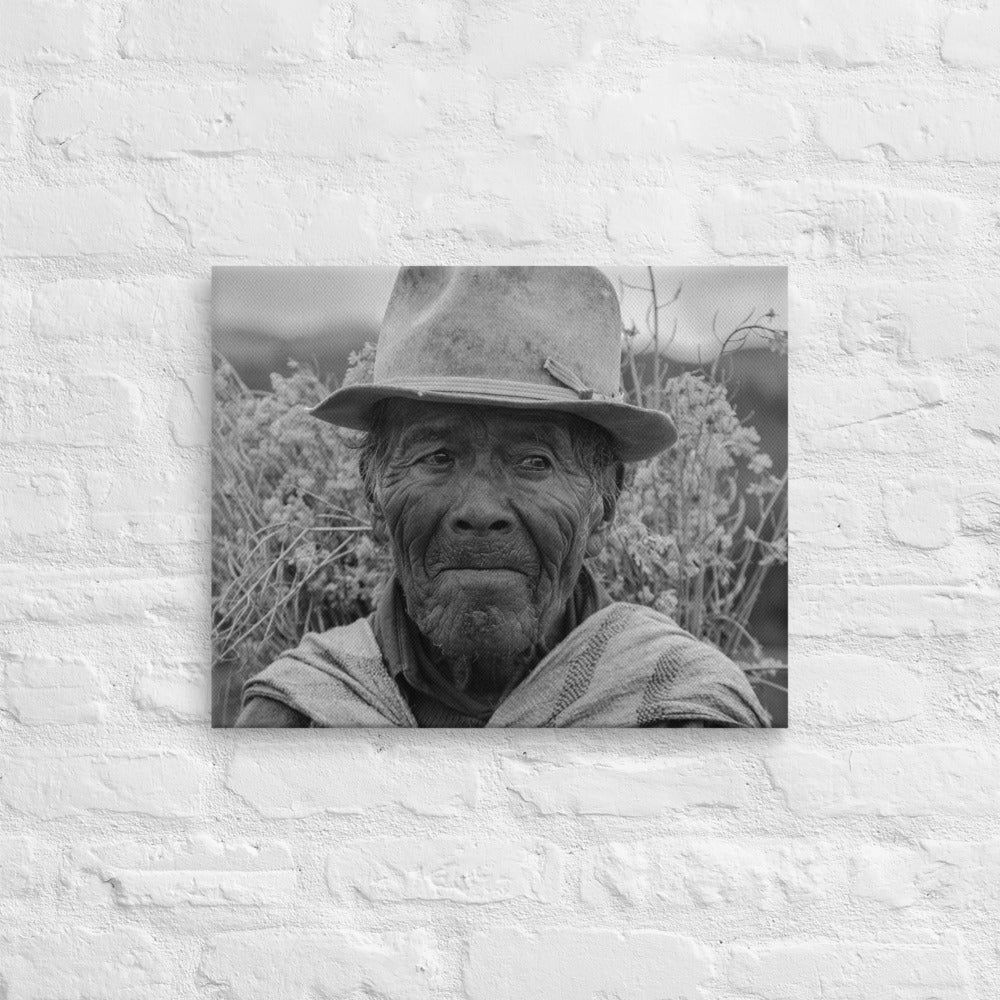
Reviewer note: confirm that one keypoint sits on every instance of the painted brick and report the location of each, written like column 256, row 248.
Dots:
column 190, row 411
column 292, row 221
column 153, row 784
column 199, row 871
column 919, row 780
column 575, row 964
column 445, row 868
column 697, row 119
column 651, row 219
column 834, row 34
column 974, row 692
column 512, row 38
column 15, row 303
column 66, row 597
column 456, row 101
column 381, row 26
column 850, row 689
column 970, row 37
column 246, row 31
column 903, row 125
column 67, row 221
column 18, row 867
column 169, row 313
column 288, row 779
column 891, row 875
column 289, row 964
column 8, row 124
column 983, row 408
column 616, row 873
column 765, row 874
column 42, row 689
column 491, row 221
column 952, row 874
column 174, row 689
column 84, row 964
column 43, row 31
column 717, row 126
column 915, row 430
column 842, row 970
column 867, row 412
column 849, row 401
column 325, row 121
column 587, row 786
column 156, row 509
column 529, row 119
column 922, row 320
column 826, row 220
column 920, row 511
column 827, row 515
column 497, row 203
column 79, row 410
column 39, row 502
column 979, row 508
column 893, row 610
column 139, row 122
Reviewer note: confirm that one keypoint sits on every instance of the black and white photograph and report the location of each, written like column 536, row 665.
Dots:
column 499, row 496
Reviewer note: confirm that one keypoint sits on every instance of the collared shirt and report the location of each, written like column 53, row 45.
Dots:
column 411, row 661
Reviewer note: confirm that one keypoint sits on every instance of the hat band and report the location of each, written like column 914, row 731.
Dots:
column 495, row 388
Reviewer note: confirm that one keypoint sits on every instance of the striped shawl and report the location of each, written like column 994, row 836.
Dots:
column 624, row 666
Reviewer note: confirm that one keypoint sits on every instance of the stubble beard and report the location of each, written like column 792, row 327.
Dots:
column 486, row 643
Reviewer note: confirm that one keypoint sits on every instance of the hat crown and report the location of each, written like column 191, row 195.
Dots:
column 511, row 324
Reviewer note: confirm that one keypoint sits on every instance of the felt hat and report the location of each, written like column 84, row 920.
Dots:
column 539, row 338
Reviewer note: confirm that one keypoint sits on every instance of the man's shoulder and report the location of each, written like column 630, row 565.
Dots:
column 645, row 626
column 674, row 676
column 639, row 639
column 642, row 616
column 334, row 678
column 627, row 665
column 354, row 641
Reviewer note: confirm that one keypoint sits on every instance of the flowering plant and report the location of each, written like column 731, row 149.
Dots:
column 292, row 544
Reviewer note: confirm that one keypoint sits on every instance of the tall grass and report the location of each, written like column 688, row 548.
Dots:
column 292, row 547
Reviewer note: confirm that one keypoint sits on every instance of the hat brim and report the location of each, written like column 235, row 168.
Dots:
column 638, row 433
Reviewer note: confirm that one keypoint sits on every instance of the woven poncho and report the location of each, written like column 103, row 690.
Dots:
column 624, row 666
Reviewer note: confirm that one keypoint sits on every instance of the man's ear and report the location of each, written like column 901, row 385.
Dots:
column 379, row 530
column 597, row 538
column 604, row 518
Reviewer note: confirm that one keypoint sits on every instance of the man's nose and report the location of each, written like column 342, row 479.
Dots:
column 481, row 509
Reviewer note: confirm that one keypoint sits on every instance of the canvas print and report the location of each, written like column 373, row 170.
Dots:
column 499, row 496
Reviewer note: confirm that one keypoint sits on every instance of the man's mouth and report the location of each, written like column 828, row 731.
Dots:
column 480, row 568
column 475, row 560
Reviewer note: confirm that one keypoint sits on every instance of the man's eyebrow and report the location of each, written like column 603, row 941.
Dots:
column 551, row 432
column 422, row 433
column 538, row 430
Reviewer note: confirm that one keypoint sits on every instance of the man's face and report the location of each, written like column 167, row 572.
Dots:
column 490, row 517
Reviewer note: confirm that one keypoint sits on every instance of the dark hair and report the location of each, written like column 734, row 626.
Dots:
column 593, row 448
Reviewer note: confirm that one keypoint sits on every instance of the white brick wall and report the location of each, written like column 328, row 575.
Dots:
column 144, row 856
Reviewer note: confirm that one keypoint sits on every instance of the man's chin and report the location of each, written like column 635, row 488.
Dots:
column 469, row 630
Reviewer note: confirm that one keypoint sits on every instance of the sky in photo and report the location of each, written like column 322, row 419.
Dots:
column 310, row 303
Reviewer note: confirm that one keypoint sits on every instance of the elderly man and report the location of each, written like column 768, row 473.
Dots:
column 493, row 457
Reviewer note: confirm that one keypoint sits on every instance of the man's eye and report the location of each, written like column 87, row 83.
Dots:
column 536, row 463
column 437, row 459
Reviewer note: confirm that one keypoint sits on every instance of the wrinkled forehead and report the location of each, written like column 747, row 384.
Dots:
column 408, row 420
